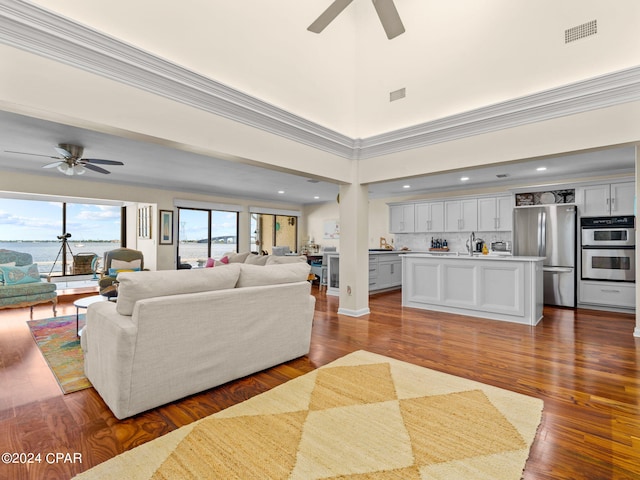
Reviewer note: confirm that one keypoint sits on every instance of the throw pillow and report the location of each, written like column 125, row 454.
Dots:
column 237, row 257
column 113, row 272
column 279, row 260
column 120, row 264
column 210, row 263
column 255, row 275
column 254, row 259
column 225, row 260
column 20, row 275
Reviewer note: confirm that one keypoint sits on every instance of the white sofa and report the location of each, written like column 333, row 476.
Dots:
column 174, row 333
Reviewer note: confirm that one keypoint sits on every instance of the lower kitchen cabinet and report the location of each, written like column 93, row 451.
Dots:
column 385, row 272
column 607, row 294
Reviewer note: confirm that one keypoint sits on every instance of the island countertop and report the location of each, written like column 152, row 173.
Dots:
column 466, row 256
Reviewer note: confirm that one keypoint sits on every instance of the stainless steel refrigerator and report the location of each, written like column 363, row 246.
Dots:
column 550, row 231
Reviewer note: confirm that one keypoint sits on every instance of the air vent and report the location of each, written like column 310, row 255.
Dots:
column 397, row 94
column 313, row 180
column 581, row 31
column 502, row 175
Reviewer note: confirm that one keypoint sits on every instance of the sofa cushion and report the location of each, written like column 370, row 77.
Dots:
column 19, row 275
column 134, row 286
column 255, row 259
column 28, row 289
column 255, row 275
column 279, row 260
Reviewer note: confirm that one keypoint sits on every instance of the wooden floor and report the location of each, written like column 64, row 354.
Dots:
column 584, row 364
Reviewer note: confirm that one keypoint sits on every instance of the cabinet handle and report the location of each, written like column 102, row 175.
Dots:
column 613, row 204
column 392, row 265
column 609, row 290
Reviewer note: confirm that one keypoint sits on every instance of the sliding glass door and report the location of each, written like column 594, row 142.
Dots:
column 268, row 231
column 205, row 234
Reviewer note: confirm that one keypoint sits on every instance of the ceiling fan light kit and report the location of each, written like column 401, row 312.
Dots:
column 386, row 10
column 70, row 161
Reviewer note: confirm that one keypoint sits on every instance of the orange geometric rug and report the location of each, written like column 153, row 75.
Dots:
column 60, row 346
column 363, row 416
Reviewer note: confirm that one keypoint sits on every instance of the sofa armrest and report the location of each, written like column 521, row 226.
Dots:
column 108, row 342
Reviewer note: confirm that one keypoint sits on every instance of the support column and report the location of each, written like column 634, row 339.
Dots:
column 354, row 250
column 636, row 332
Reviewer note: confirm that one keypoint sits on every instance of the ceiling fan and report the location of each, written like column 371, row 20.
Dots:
column 386, row 10
column 70, row 161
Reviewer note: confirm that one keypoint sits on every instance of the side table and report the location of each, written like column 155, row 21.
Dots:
column 84, row 304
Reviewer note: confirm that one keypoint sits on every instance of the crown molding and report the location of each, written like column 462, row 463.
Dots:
column 31, row 28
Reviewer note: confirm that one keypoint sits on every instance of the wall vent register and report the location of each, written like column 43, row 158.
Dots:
column 581, row 31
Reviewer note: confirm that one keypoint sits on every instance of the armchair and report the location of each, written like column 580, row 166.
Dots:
column 117, row 260
column 23, row 286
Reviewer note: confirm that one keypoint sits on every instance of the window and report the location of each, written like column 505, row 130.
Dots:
column 268, row 231
column 205, row 233
column 33, row 226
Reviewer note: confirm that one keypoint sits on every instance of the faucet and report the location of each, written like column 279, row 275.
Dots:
column 471, row 243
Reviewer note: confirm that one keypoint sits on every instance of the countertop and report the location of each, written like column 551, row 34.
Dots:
column 453, row 256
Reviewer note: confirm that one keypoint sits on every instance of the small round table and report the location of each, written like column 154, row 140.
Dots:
column 84, row 303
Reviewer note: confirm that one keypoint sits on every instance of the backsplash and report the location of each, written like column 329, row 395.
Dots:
column 456, row 241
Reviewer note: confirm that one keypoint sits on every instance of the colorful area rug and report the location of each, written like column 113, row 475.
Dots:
column 60, row 346
column 363, row 416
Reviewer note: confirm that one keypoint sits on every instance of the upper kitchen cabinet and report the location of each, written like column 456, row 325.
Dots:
column 429, row 217
column 607, row 199
column 461, row 215
column 495, row 214
column 401, row 218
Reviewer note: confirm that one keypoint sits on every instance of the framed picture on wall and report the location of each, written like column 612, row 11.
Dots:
column 166, row 227
column 331, row 229
column 144, row 222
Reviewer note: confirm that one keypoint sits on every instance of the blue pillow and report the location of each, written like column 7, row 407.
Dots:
column 20, row 275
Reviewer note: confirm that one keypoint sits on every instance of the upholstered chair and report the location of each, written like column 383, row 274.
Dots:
column 120, row 259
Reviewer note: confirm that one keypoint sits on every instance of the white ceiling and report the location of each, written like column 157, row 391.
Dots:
column 158, row 166
column 258, row 49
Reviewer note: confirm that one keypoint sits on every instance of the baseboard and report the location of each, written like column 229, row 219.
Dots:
column 636, row 332
column 354, row 313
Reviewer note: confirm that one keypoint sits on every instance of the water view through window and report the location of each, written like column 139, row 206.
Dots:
column 33, row 226
column 206, row 233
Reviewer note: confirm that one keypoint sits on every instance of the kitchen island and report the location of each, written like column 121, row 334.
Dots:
column 503, row 288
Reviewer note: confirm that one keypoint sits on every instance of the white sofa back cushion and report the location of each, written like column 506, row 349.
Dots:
column 256, row 275
column 136, row 286
column 277, row 260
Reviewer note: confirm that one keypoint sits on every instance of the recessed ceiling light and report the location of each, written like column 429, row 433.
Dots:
column 316, row 197
column 280, row 192
column 406, row 186
column 541, row 169
column 464, row 179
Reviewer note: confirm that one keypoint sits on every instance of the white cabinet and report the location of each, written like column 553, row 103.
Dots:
column 385, row 272
column 495, row 214
column 607, row 199
column 461, row 215
column 389, row 271
column 401, row 218
column 618, row 294
column 429, row 217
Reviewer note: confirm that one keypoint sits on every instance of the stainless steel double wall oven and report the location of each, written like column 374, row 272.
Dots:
column 608, row 248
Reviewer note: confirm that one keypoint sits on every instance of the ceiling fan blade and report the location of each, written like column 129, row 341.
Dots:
column 389, row 18
column 34, row 154
column 52, row 165
column 328, row 15
column 101, row 162
column 95, row 169
column 63, row 152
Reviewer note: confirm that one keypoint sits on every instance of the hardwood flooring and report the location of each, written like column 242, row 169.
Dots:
column 584, row 364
